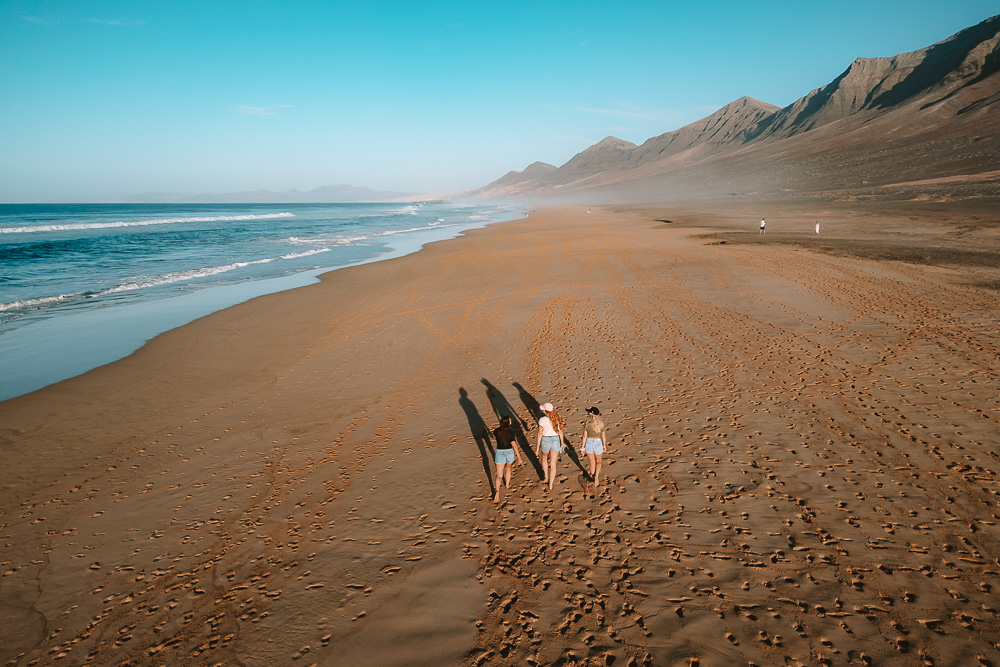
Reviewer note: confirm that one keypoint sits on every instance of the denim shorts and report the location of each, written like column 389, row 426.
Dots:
column 503, row 456
column 593, row 446
column 551, row 443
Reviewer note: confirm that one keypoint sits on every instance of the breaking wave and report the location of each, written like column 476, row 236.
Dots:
column 137, row 223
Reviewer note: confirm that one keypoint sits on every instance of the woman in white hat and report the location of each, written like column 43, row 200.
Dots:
column 595, row 442
column 550, row 441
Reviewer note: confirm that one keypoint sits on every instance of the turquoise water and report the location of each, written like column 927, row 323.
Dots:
column 82, row 285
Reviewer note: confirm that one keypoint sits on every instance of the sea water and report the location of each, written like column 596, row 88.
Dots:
column 82, row 285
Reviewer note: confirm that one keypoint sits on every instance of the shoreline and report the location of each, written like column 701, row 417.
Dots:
column 75, row 343
column 801, row 452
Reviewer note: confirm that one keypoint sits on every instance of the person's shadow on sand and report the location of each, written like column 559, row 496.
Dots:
column 536, row 413
column 502, row 407
column 480, row 433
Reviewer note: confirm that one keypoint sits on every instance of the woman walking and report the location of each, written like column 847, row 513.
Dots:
column 504, row 456
column 550, row 441
column 595, row 442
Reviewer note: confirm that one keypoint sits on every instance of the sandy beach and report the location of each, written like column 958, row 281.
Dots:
column 803, row 463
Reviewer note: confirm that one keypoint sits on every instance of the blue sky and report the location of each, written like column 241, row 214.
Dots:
column 106, row 99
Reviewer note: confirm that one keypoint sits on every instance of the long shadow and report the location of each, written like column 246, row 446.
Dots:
column 480, row 433
column 529, row 401
column 574, row 456
column 532, row 404
column 501, row 407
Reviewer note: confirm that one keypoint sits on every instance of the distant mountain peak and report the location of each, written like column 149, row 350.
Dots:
column 910, row 118
column 875, row 85
column 749, row 102
column 539, row 167
column 613, row 142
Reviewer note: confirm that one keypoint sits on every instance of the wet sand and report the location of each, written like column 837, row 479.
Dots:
column 802, row 464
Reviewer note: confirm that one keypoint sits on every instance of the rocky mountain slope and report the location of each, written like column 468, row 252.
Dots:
column 919, row 124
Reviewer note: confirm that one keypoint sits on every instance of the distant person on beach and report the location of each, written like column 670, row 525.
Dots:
column 762, row 225
column 817, row 226
column 550, row 441
column 505, row 453
column 595, row 442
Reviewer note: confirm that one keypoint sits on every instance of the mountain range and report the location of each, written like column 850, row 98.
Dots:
column 923, row 124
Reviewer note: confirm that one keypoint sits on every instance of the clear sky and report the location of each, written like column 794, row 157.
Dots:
column 101, row 99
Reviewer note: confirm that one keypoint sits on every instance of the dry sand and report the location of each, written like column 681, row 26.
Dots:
column 802, row 466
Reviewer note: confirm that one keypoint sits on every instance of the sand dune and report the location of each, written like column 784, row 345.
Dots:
column 802, row 465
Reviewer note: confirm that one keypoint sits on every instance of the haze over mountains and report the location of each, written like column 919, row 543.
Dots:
column 923, row 124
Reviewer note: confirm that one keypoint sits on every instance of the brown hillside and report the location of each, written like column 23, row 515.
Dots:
column 918, row 124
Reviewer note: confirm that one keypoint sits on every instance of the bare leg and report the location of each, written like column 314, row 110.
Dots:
column 590, row 459
column 597, row 470
column 506, row 474
column 553, row 457
column 496, row 484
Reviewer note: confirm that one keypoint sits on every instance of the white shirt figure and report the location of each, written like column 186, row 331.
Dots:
column 762, row 223
column 817, row 226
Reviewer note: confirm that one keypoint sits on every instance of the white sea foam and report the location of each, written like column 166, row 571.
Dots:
column 30, row 303
column 137, row 223
column 309, row 245
column 326, row 240
column 391, row 213
column 296, row 255
column 144, row 282
column 394, row 232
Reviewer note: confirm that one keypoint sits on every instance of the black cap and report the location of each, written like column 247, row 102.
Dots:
column 593, row 411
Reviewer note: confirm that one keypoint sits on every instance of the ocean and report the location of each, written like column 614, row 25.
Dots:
column 82, row 285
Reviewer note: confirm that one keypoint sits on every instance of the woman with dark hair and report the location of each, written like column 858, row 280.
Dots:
column 595, row 442
column 504, row 456
column 550, row 441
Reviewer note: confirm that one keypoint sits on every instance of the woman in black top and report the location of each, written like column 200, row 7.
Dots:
column 505, row 453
